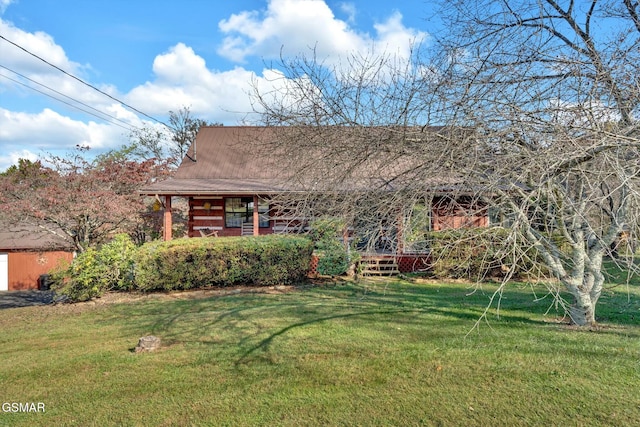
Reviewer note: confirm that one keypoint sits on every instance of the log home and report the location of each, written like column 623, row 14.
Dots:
column 229, row 182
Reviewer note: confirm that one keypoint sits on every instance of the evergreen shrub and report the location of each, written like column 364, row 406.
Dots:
column 333, row 258
column 95, row 271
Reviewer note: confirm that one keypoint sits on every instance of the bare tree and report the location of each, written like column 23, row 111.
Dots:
column 552, row 89
column 531, row 105
column 352, row 138
column 184, row 130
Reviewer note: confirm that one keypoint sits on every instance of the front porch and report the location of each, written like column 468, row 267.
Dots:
column 229, row 215
column 242, row 214
column 394, row 248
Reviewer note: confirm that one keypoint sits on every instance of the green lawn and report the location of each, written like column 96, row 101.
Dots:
column 385, row 353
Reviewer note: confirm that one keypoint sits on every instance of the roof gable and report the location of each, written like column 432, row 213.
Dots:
column 222, row 152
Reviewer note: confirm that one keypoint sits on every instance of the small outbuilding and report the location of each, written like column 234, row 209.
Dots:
column 28, row 254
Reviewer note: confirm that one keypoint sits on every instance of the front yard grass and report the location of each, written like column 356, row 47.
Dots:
column 379, row 353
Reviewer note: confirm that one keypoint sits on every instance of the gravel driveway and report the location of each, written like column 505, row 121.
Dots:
column 15, row 299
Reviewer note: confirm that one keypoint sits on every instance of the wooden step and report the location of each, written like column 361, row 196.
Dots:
column 379, row 267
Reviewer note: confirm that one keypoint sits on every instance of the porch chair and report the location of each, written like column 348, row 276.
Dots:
column 207, row 232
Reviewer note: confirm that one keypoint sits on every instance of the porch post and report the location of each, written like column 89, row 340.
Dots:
column 166, row 229
column 400, row 233
column 256, row 217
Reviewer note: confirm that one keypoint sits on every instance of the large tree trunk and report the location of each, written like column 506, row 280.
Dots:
column 586, row 295
column 583, row 310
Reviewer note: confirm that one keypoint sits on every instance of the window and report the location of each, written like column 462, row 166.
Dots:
column 239, row 210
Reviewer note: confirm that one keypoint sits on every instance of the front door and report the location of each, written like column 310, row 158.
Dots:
column 4, row 272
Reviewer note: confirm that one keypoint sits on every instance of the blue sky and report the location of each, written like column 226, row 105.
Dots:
column 161, row 55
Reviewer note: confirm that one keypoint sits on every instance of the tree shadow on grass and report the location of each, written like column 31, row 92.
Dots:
column 241, row 319
column 466, row 317
column 14, row 299
column 265, row 343
column 243, row 315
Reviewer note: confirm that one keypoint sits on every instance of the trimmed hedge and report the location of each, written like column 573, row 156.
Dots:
column 195, row 263
column 478, row 254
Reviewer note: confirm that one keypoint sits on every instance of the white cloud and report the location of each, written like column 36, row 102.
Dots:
column 4, row 4
column 32, row 72
column 37, row 130
column 294, row 26
column 12, row 157
column 38, row 43
column 49, row 131
column 350, row 10
column 183, row 79
column 395, row 38
column 180, row 65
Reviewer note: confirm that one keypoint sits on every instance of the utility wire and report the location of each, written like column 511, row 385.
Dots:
column 67, row 103
column 83, row 82
column 103, row 114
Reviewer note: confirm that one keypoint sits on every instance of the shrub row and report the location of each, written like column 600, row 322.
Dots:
column 179, row 264
column 195, row 263
column 184, row 264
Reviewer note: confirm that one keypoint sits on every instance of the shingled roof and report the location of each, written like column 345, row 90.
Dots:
column 223, row 161
column 26, row 237
column 242, row 160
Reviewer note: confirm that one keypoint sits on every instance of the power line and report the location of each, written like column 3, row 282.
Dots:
column 64, row 102
column 102, row 113
column 83, row 82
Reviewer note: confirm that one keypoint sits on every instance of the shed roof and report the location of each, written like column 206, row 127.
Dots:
column 27, row 237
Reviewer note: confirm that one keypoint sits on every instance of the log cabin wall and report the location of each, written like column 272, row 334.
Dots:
column 207, row 213
column 459, row 213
